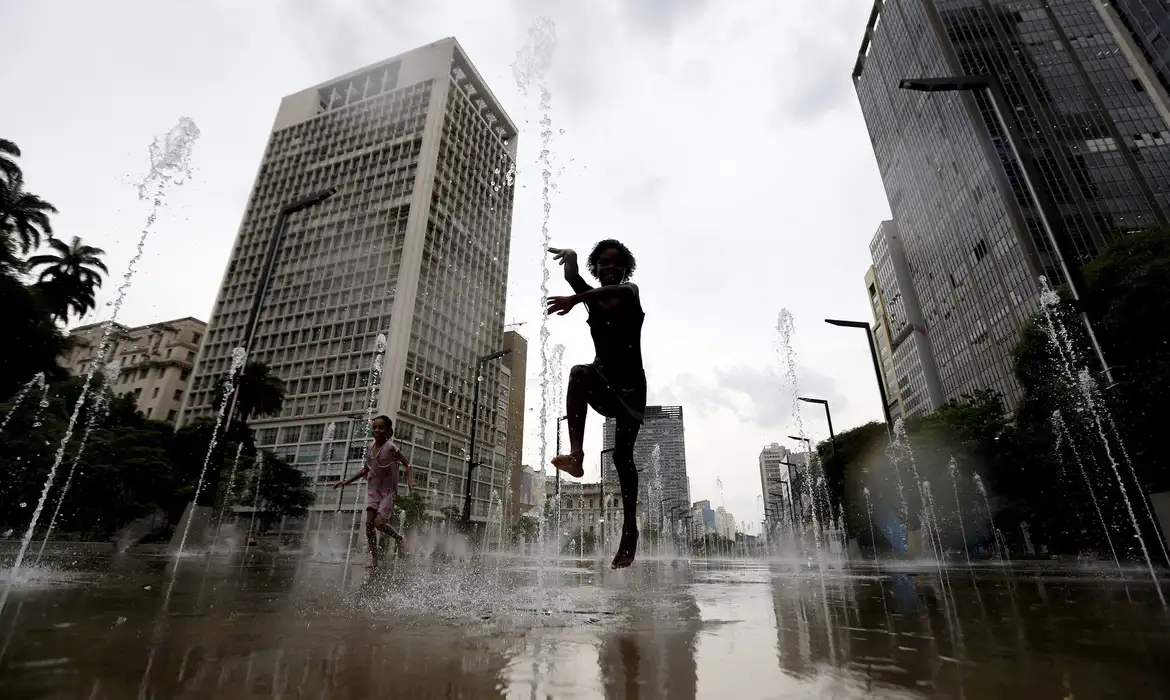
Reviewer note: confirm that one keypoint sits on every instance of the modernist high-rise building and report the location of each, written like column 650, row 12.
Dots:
column 774, row 478
column 516, row 366
column 1089, row 107
column 909, row 374
column 413, row 244
column 662, row 427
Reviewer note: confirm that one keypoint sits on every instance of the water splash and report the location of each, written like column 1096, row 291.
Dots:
column 170, row 165
column 101, row 406
column 38, row 380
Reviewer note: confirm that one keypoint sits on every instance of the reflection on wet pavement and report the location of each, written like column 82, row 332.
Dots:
column 283, row 627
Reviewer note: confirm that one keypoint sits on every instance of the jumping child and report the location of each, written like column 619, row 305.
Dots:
column 380, row 467
column 615, row 383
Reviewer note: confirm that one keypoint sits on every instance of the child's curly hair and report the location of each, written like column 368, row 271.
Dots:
column 611, row 244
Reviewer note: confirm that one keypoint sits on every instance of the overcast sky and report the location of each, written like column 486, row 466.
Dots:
column 722, row 142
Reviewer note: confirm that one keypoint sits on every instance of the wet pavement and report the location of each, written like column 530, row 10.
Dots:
column 279, row 626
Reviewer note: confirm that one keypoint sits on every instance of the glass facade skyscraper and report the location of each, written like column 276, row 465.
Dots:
column 414, row 245
column 662, row 427
column 1087, row 113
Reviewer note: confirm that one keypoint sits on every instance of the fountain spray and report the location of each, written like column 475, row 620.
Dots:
column 38, row 380
column 170, row 164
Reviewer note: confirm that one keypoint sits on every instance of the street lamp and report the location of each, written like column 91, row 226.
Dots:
column 211, row 489
column 601, row 467
column 828, row 416
column 479, row 365
column 1066, row 258
column 877, row 367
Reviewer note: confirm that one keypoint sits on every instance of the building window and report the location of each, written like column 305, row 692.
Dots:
column 155, row 394
column 196, row 337
column 171, row 415
column 190, row 356
column 184, row 374
column 178, row 394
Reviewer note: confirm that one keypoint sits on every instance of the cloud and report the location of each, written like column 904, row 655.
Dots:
column 661, row 17
column 754, row 395
column 815, row 71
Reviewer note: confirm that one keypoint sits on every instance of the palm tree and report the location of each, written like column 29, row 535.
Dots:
column 24, row 217
column 9, row 170
column 71, row 274
column 261, row 392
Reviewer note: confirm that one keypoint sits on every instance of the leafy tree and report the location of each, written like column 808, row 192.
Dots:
column 70, row 276
column 9, row 168
column 32, row 339
column 274, row 488
column 261, row 393
column 24, row 218
column 415, row 507
column 526, row 528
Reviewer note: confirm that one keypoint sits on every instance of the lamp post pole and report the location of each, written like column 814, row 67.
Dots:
column 877, row 367
column 211, row 486
column 1066, row 258
column 558, row 474
column 471, row 465
column 601, row 466
column 828, row 417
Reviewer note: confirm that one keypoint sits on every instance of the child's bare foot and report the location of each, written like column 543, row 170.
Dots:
column 627, row 548
column 571, row 464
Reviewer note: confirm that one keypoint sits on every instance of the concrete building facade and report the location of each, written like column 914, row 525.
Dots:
column 662, row 428
column 516, row 363
column 1089, row 115
column 155, row 361
column 910, row 375
column 414, row 245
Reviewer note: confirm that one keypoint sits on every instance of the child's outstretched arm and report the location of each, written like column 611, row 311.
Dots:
column 568, row 258
column 361, row 473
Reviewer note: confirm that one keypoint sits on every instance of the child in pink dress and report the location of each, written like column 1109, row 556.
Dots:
column 380, row 468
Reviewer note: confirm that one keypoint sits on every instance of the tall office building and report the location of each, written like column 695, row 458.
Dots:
column 414, row 244
column 516, row 364
column 155, row 361
column 913, row 387
column 774, row 478
column 975, row 243
column 662, row 427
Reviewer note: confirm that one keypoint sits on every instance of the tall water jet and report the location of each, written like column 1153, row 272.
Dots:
column 785, row 331
column 1083, row 381
column 872, row 532
column 170, row 164
column 1060, row 430
column 953, row 470
column 239, row 357
column 38, row 380
column 101, row 405
column 258, row 465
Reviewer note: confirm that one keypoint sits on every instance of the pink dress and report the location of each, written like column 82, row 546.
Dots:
column 382, row 479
